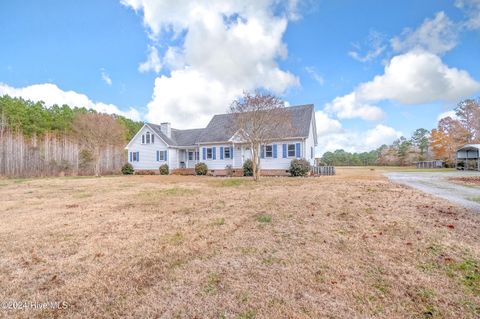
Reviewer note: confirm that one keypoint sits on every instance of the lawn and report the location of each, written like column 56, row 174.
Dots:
column 345, row 246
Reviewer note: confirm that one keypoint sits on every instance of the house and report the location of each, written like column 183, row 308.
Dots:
column 468, row 157
column 218, row 146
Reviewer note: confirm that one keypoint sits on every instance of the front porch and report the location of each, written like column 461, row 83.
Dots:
column 187, row 158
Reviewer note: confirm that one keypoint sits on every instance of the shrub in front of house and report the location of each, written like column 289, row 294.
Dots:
column 299, row 167
column 145, row 172
column 201, row 169
column 248, row 168
column 127, row 169
column 163, row 169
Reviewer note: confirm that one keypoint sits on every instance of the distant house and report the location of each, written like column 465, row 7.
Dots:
column 218, row 146
column 468, row 157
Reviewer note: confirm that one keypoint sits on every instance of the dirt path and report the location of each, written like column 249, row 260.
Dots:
column 439, row 185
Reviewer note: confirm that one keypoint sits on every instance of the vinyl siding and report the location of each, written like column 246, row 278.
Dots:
column 280, row 162
column 310, row 142
column 218, row 163
column 148, row 152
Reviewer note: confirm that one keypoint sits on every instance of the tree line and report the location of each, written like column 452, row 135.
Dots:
column 439, row 143
column 36, row 140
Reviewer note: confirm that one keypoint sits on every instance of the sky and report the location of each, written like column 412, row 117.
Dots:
column 375, row 70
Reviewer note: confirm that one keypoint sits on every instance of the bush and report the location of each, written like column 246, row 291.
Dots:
column 163, row 169
column 145, row 172
column 299, row 167
column 248, row 168
column 201, row 169
column 127, row 169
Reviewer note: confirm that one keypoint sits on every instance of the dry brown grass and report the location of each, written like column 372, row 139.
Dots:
column 466, row 180
column 347, row 246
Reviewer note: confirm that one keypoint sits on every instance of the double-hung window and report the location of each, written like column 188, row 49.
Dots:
column 163, row 155
column 190, row 156
column 148, row 138
column 291, row 150
column 226, row 152
column 134, row 156
column 268, row 151
column 209, row 153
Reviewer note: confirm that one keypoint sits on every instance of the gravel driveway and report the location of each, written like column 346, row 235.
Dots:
column 437, row 183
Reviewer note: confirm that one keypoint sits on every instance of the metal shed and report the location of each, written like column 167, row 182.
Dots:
column 468, row 157
column 429, row 164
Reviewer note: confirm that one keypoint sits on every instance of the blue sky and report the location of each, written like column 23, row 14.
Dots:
column 375, row 70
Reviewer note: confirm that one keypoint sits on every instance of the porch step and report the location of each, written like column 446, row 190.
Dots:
column 184, row 171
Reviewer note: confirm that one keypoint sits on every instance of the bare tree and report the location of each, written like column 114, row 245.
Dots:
column 96, row 132
column 258, row 119
column 468, row 113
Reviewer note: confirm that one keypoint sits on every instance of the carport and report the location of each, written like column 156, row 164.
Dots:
column 468, row 157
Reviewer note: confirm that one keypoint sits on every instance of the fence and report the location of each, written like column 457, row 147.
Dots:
column 323, row 170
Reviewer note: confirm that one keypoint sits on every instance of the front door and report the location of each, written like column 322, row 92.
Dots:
column 247, row 153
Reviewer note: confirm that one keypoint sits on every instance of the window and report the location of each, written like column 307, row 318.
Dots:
column 197, row 156
column 226, row 152
column 148, row 138
column 268, row 151
column 134, row 156
column 190, row 156
column 143, row 139
column 209, row 153
column 291, row 150
column 311, row 152
column 163, row 155
column 153, row 138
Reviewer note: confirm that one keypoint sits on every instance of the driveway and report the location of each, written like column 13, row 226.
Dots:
column 437, row 183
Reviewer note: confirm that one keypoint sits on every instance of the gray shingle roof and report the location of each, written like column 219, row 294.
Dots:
column 157, row 130
column 186, row 137
column 221, row 128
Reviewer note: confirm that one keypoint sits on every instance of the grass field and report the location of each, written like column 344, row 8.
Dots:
column 347, row 246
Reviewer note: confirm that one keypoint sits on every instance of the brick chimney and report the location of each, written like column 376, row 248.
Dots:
column 166, row 129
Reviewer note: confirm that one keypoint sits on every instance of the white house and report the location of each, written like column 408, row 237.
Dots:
column 217, row 145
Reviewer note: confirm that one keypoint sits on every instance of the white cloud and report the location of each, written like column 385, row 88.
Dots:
column 205, row 97
column 52, row 94
column 332, row 136
column 315, row 76
column 447, row 114
column 326, row 125
column 472, row 10
column 153, row 61
column 225, row 47
column 375, row 42
column 416, row 77
column 353, row 141
column 437, row 35
column 349, row 106
column 105, row 77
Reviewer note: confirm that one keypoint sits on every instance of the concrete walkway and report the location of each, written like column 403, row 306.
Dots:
column 437, row 183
